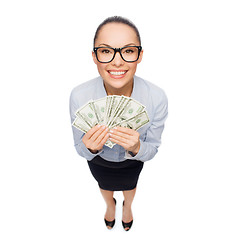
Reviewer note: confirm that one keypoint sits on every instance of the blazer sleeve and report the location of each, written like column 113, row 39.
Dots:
column 149, row 147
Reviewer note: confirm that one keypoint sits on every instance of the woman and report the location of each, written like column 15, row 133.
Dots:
column 118, row 168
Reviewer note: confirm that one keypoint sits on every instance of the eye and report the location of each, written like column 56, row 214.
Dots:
column 129, row 50
column 105, row 51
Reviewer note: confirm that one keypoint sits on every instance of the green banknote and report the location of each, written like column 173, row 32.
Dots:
column 112, row 111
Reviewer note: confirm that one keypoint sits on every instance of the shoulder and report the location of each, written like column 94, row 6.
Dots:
column 156, row 93
column 84, row 87
column 80, row 92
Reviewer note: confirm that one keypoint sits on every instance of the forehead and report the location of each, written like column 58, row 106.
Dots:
column 117, row 35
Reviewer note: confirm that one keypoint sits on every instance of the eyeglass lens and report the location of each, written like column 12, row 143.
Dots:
column 106, row 54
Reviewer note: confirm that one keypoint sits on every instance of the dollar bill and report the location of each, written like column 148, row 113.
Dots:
column 108, row 103
column 114, row 105
column 132, row 109
column 88, row 114
column 135, row 122
column 110, row 144
column 117, row 117
column 112, row 111
column 99, row 107
column 80, row 124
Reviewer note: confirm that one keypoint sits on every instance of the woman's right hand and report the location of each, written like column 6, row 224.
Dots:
column 95, row 138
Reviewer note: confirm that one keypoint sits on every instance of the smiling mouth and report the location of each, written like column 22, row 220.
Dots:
column 117, row 74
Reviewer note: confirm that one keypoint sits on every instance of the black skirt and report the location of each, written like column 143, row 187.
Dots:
column 115, row 176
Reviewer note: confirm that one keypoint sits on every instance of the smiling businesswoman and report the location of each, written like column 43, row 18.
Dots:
column 117, row 52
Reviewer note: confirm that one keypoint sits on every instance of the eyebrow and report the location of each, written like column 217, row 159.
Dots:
column 129, row 44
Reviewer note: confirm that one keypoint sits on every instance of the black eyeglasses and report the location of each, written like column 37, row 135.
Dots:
column 107, row 54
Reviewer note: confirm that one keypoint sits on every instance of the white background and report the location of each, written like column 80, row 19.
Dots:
column 190, row 190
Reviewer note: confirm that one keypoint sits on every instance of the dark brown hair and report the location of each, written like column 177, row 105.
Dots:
column 117, row 19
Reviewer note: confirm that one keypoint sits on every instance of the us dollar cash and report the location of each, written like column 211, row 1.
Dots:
column 99, row 106
column 88, row 114
column 112, row 111
column 80, row 124
column 117, row 116
column 135, row 122
column 131, row 109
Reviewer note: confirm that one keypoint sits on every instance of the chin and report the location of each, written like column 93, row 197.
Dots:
column 116, row 85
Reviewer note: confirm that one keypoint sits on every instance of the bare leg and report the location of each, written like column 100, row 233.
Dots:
column 110, row 212
column 127, row 211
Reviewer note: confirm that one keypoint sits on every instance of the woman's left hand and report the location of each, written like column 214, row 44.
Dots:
column 127, row 138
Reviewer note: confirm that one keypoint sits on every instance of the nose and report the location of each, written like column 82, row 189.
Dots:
column 117, row 61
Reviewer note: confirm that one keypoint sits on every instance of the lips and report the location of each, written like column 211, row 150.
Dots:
column 117, row 73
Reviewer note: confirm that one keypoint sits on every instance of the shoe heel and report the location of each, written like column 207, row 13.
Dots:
column 110, row 223
column 127, row 225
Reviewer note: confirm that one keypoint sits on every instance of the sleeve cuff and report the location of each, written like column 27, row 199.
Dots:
column 86, row 153
column 129, row 155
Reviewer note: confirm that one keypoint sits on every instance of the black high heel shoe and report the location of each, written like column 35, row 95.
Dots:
column 127, row 225
column 110, row 223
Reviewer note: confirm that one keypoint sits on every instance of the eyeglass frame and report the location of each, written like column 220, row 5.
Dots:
column 117, row 50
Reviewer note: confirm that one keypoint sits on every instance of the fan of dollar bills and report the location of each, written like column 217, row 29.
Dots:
column 112, row 111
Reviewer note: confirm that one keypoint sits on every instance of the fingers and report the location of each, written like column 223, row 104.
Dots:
column 127, row 138
column 92, row 131
column 119, row 140
column 99, row 133
column 104, row 139
column 100, row 137
column 119, row 136
column 127, row 131
column 96, row 137
column 124, row 133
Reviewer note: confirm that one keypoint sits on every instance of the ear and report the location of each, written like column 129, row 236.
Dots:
column 140, row 57
column 94, row 57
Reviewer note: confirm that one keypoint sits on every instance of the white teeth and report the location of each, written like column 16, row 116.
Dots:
column 118, row 73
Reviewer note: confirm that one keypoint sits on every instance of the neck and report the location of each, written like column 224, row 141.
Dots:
column 126, row 90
